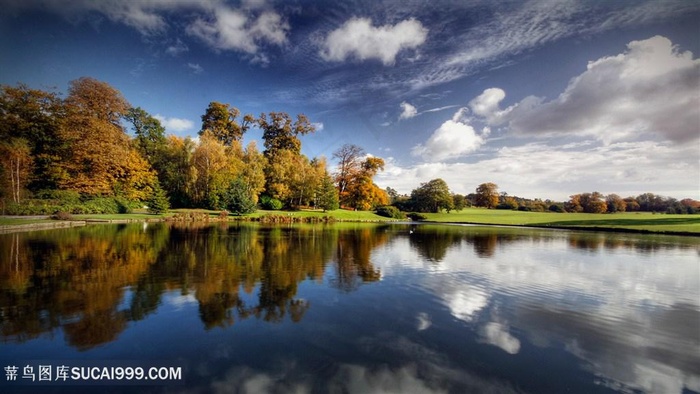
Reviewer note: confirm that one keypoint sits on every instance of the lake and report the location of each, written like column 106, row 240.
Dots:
column 349, row 308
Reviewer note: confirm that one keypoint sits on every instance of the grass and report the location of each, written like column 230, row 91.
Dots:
column 637, row 221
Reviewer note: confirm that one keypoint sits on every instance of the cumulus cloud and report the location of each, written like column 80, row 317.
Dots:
column 407, row 111
column 220, row 26
column 174, row 124
column 358, row 38
column 652, row 88
column 231, row 29
column 453, row 139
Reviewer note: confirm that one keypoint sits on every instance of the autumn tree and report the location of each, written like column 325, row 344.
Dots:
column 487, row 195
column 432, row 196
column 586, row 202
column 221, row 121
column 177, row 173
column 16, row 160
column 212, row 172
column 615, row 203
column 35, row 116
column 361, row 192
column 280, row 133
column 102, row 160
column 349, row 159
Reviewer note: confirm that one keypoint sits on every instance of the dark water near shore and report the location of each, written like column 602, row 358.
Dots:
column 354, row 308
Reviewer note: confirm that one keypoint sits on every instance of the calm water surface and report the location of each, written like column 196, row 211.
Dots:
column 355, row 308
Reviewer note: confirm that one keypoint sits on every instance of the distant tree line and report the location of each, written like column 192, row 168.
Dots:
column 435, row 196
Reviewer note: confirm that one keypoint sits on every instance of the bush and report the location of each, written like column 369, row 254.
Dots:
column 390, row 212
column 556, row 208
column 269, row 203
column 62, row 215
column 158, row 202
column 237, row 199
column 416, row 216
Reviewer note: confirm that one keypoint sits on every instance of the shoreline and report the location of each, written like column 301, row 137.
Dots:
column 18, row 228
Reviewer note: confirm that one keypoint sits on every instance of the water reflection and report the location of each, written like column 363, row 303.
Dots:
column 366, row 308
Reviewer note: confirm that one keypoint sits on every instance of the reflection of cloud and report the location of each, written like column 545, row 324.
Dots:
column 497, row 334
column 464, row 304
column 423, row 321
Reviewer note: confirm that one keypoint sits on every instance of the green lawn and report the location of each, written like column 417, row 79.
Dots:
column 658, row 223
column 641, row 221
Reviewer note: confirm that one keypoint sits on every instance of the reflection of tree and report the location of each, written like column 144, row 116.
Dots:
column 75, row 274
column 353, row 256
column 485, row 244
column 432, row 242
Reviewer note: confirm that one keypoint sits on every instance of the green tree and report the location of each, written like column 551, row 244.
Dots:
column 432, row 196
column 237, row 198
column 149, row 134
column 35, row 116
column 280, row 133
column 460, row 202
column 221, row 121
column 158, row 201
column 328, row 194
column 487, row 195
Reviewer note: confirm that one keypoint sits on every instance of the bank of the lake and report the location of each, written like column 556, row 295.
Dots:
column 642, row 222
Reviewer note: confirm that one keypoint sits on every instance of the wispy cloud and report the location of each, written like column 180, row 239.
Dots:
column 177, row 48
column 195, row 68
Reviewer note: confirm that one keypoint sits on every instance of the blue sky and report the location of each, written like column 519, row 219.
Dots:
column 544, row 98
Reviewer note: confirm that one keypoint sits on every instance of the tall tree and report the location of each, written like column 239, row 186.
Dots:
column 615, row 203
column 16, row 160
column 327, row 194
column 149, row 135
column 212, row 172
column 349, row 158
column 487, row 195
column 102, row 160
column 35, row 116
column 221, row 121
column 280, row 133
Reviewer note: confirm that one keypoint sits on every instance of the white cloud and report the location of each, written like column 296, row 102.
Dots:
column 318, row 126
column 497, row 334
column 174, row 124
column 195, row 68
column 538, row 170
column 652, row 88
column 408, row 111
column 231, row 29
column 454, row 138
column 358, row 38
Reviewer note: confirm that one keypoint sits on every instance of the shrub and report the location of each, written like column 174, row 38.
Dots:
column 416, row 216
column 556, row 208
column 158, row 202
column 62, row 215
column 390, row 212
column 269, row 203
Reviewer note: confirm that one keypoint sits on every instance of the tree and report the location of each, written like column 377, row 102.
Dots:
column 212, row 173
column 101, row 160
column 349, row 163
column 487, row 195
column 158, row 202
column 237, row 198
column 279, row 133
column 16, row 166
column 327, row 194
column 460, row 202
column 35, row 116
column 149, row 135
column 432, row 196
column 615, row 203
column 220, row 120
column 361, row 192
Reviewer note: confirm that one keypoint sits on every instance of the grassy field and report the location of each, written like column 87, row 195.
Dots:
column 639, row 221
column 647, row 222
